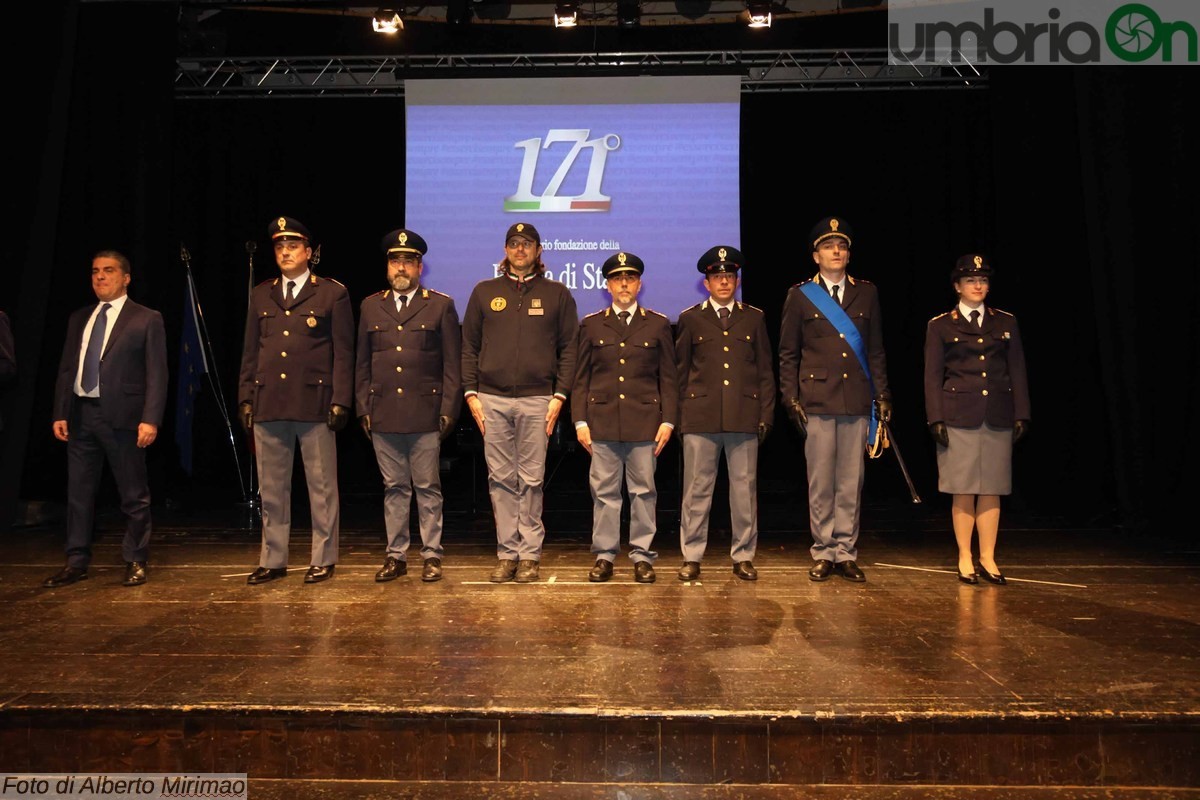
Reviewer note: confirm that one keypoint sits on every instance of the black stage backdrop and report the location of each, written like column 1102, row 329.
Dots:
column 1077, row 181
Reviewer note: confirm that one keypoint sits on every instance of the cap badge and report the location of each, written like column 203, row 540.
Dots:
column 282, row 223
column 721, row 254
column 833, row 225
column 403, row 238
column 520, row 227
column 978, row 262
column 621, row 259
column 498, row 304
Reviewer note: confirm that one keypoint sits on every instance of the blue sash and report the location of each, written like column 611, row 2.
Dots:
column 837, row 315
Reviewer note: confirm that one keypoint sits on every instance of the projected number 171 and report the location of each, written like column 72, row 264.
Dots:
column 591, row 199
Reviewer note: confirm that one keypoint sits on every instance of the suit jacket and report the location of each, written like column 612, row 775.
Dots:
column 408, row 368
column 975, row 374
column 625, row 379
column 815, row 363
column 298, row 359
column 133, row 368
column 726, row 378
column 8, row 356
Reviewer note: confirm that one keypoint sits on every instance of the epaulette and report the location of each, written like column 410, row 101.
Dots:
column 752, row 308
column 1001, row 311
column 801, row 283
column 273, row 282
column 383, row 293
column 433, row 291
column 595, row 313
column 859, row 280
column 939, row 316
column 331, row 280
column 646, row 311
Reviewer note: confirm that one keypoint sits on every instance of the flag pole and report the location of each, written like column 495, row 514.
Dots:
column 206, row 347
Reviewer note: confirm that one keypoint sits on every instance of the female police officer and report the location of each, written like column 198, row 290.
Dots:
column 977, row 406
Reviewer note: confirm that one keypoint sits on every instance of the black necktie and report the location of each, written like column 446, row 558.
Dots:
column 723, row 313
column 91, row 358
column 975, row 318
column 403, row 302
column 290, row 296
column 624, row 315
column 835, row 290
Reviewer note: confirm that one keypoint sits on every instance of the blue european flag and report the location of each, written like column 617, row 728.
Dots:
column 193, row 366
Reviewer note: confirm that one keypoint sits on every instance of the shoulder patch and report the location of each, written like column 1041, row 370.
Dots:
column 1002, row 311
column 939, row 316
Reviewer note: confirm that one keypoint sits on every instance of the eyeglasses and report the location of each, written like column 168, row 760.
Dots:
column 403, row 260
column 516, row 244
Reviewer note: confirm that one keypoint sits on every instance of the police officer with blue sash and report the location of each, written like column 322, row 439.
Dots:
column 833, row 379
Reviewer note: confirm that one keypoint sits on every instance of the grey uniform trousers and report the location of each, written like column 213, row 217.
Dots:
column 835, row 449
column 275, row 445
column 409, row 464
column 701, row 453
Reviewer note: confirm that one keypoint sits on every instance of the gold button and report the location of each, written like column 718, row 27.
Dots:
column 399, row 369
column 811, row 375
column 981, row 358
column 622, row 361
column 601, row 341
column 283, row 376
column 645, row 344
column 985, row 392
column 287, row 313
column 843, row 355
column 726, row 348
column 693, row 394
column 621, row 396
column 621, row 378
column 726, row 383
column 284, row 354
column 844, row 375
column 816, row 316
column 622, row 344
column 399, row 327
column 724, row 333
column 981, row 340
column 747, row 338
column 726, row 366
column 287, row 333
column 956, row 338
column 398, row 348
column 841, row 336
column 701, row 339
column 985, row 374
column 399, row 391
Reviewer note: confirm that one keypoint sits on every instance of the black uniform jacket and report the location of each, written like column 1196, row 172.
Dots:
column 726, row 378
column 975, row 374
column 298, row 360
column 817, row 365
column 625, row 380
column 408, row 366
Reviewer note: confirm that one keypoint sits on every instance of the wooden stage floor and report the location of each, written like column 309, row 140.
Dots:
column 1088, row 658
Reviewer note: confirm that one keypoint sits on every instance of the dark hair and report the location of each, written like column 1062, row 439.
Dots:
column 117, row 256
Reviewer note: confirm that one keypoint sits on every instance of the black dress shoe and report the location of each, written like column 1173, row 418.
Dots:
column 505, row 569
column 995, row 578
column 601, row 572
column 643, row 572
column 970, row 579
column 821, row 569
column 851, row 572
column 135, row 573
column 318, row 574
column 65, row 577
column 527, row 571
column 432, row 571
column 264, row 575
column 745, row 570
column 392, row 568
column 689, row 571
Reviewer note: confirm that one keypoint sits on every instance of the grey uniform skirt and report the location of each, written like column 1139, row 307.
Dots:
column 978, row 461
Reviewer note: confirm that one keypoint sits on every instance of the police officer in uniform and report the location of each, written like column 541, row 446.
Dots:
column 727, row 402
column 625, row 403
column 297, row 383
column 977, row 406
column 829, row 396
column 519, row 337
column 408, row 384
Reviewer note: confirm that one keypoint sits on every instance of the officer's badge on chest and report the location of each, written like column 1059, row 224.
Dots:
column 535, row 307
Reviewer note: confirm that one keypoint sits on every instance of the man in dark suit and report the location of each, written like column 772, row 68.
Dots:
column 408, row 384
column 297, row 384
column 625, row 402
column 108, row 404
column 727, row 402
column 828, row 392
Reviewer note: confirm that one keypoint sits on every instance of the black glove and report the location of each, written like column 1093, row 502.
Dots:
column 939, row 433
column 364, row 422
column 246, row 415
column 799, row 419
column 1020, row 428
column 445, row 427
column 764, row 430
column 883, row 408
column 338, row 417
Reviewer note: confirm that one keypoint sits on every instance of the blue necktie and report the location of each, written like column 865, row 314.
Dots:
column 91, row 359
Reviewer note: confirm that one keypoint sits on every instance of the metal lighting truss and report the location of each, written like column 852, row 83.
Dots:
column 384, row 76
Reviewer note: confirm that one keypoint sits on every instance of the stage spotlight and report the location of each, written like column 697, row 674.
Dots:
column 566, row 15
column 629, row 13
column 759, row 13
column 387, row 21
